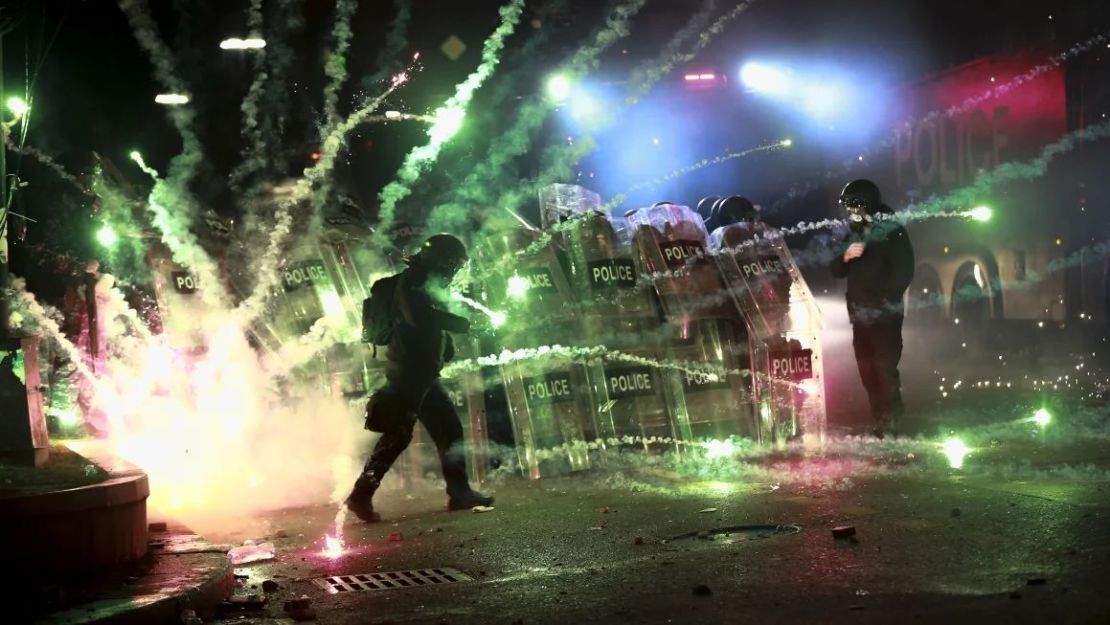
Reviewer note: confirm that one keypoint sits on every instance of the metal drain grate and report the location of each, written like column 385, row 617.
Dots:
column 391, row 580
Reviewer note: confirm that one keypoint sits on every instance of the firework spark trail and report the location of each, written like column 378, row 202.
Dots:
column 1012, row 171
column 582, row 355
column 559, row 160
column 169, row 201
column 165, row 206
column 928, row 209
column 395, row 42
column 335, row 67
column 266, row 265
column 1051, row 63
column 44, row 322
column 670, row 58
column 474, row 190
column 253, row 155
column 46, row 160
column 449, row 118
column 183, row 166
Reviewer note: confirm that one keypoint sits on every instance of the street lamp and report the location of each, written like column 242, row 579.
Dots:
column 250, row 43
column 171, row 99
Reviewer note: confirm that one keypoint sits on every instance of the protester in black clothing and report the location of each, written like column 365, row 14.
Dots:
column 877, row 259
column 419, row 345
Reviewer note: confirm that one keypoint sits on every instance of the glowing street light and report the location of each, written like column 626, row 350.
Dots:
column 18, row 106
column 172, row 99
column 558, row 87
column 981, row 214
column 251, row 43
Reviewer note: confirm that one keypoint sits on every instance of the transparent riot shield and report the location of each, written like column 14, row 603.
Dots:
column 785, row 325
column 177, row 291
column 467, row 393
column 634, row 403
column 550, row 401
column 703, row 332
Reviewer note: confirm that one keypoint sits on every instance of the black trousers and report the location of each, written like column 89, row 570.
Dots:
column 394, row 411
column 878, row 347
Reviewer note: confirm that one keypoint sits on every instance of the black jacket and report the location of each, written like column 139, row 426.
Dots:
column 420, row 341
column 877, row 281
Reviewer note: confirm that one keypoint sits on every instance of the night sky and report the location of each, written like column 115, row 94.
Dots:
column 94, row 88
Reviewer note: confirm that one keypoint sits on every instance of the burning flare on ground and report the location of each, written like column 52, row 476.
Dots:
column 333, row 547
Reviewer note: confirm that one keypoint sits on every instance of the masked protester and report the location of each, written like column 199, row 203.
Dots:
column 877, row 259
column 416, row 331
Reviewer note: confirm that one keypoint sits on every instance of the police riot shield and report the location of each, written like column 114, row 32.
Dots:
column 705, row 341
column 177, row 290
column 785, row 326
column 549, row 398
column 467, row 393
column 632, row 393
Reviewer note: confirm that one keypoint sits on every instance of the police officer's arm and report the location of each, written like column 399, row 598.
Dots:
column 900, row 256
column 417, row 310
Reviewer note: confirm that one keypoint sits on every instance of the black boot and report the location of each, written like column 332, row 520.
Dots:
column 467, row 500
column 361, row 500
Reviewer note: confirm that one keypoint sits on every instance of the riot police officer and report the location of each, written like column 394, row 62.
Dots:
column 877, row 260
column 419, row 345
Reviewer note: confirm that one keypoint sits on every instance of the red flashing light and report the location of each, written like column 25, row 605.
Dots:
column 702, row 79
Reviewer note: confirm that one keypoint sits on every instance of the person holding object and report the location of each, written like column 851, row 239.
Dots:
column 877, row 260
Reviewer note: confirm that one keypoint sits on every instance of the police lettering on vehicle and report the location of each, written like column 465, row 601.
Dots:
column 612, row 273
column 677, row 253
column 629, row 382
column 795, row 365
column 302, row 274
column 550, row 389
column 185, row 282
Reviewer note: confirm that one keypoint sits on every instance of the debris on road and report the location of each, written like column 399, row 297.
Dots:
column 639, row 540
column 396, row 537
column 252, row 601
column 251, row 552
column 601, row 523
column 482, row 508
column 707, row 510
column 841, row 532
column 701, row 590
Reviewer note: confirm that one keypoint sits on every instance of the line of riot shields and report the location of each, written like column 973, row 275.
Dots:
column 669, row 336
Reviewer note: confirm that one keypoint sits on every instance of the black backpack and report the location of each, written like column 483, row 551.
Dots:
column 378, row 315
